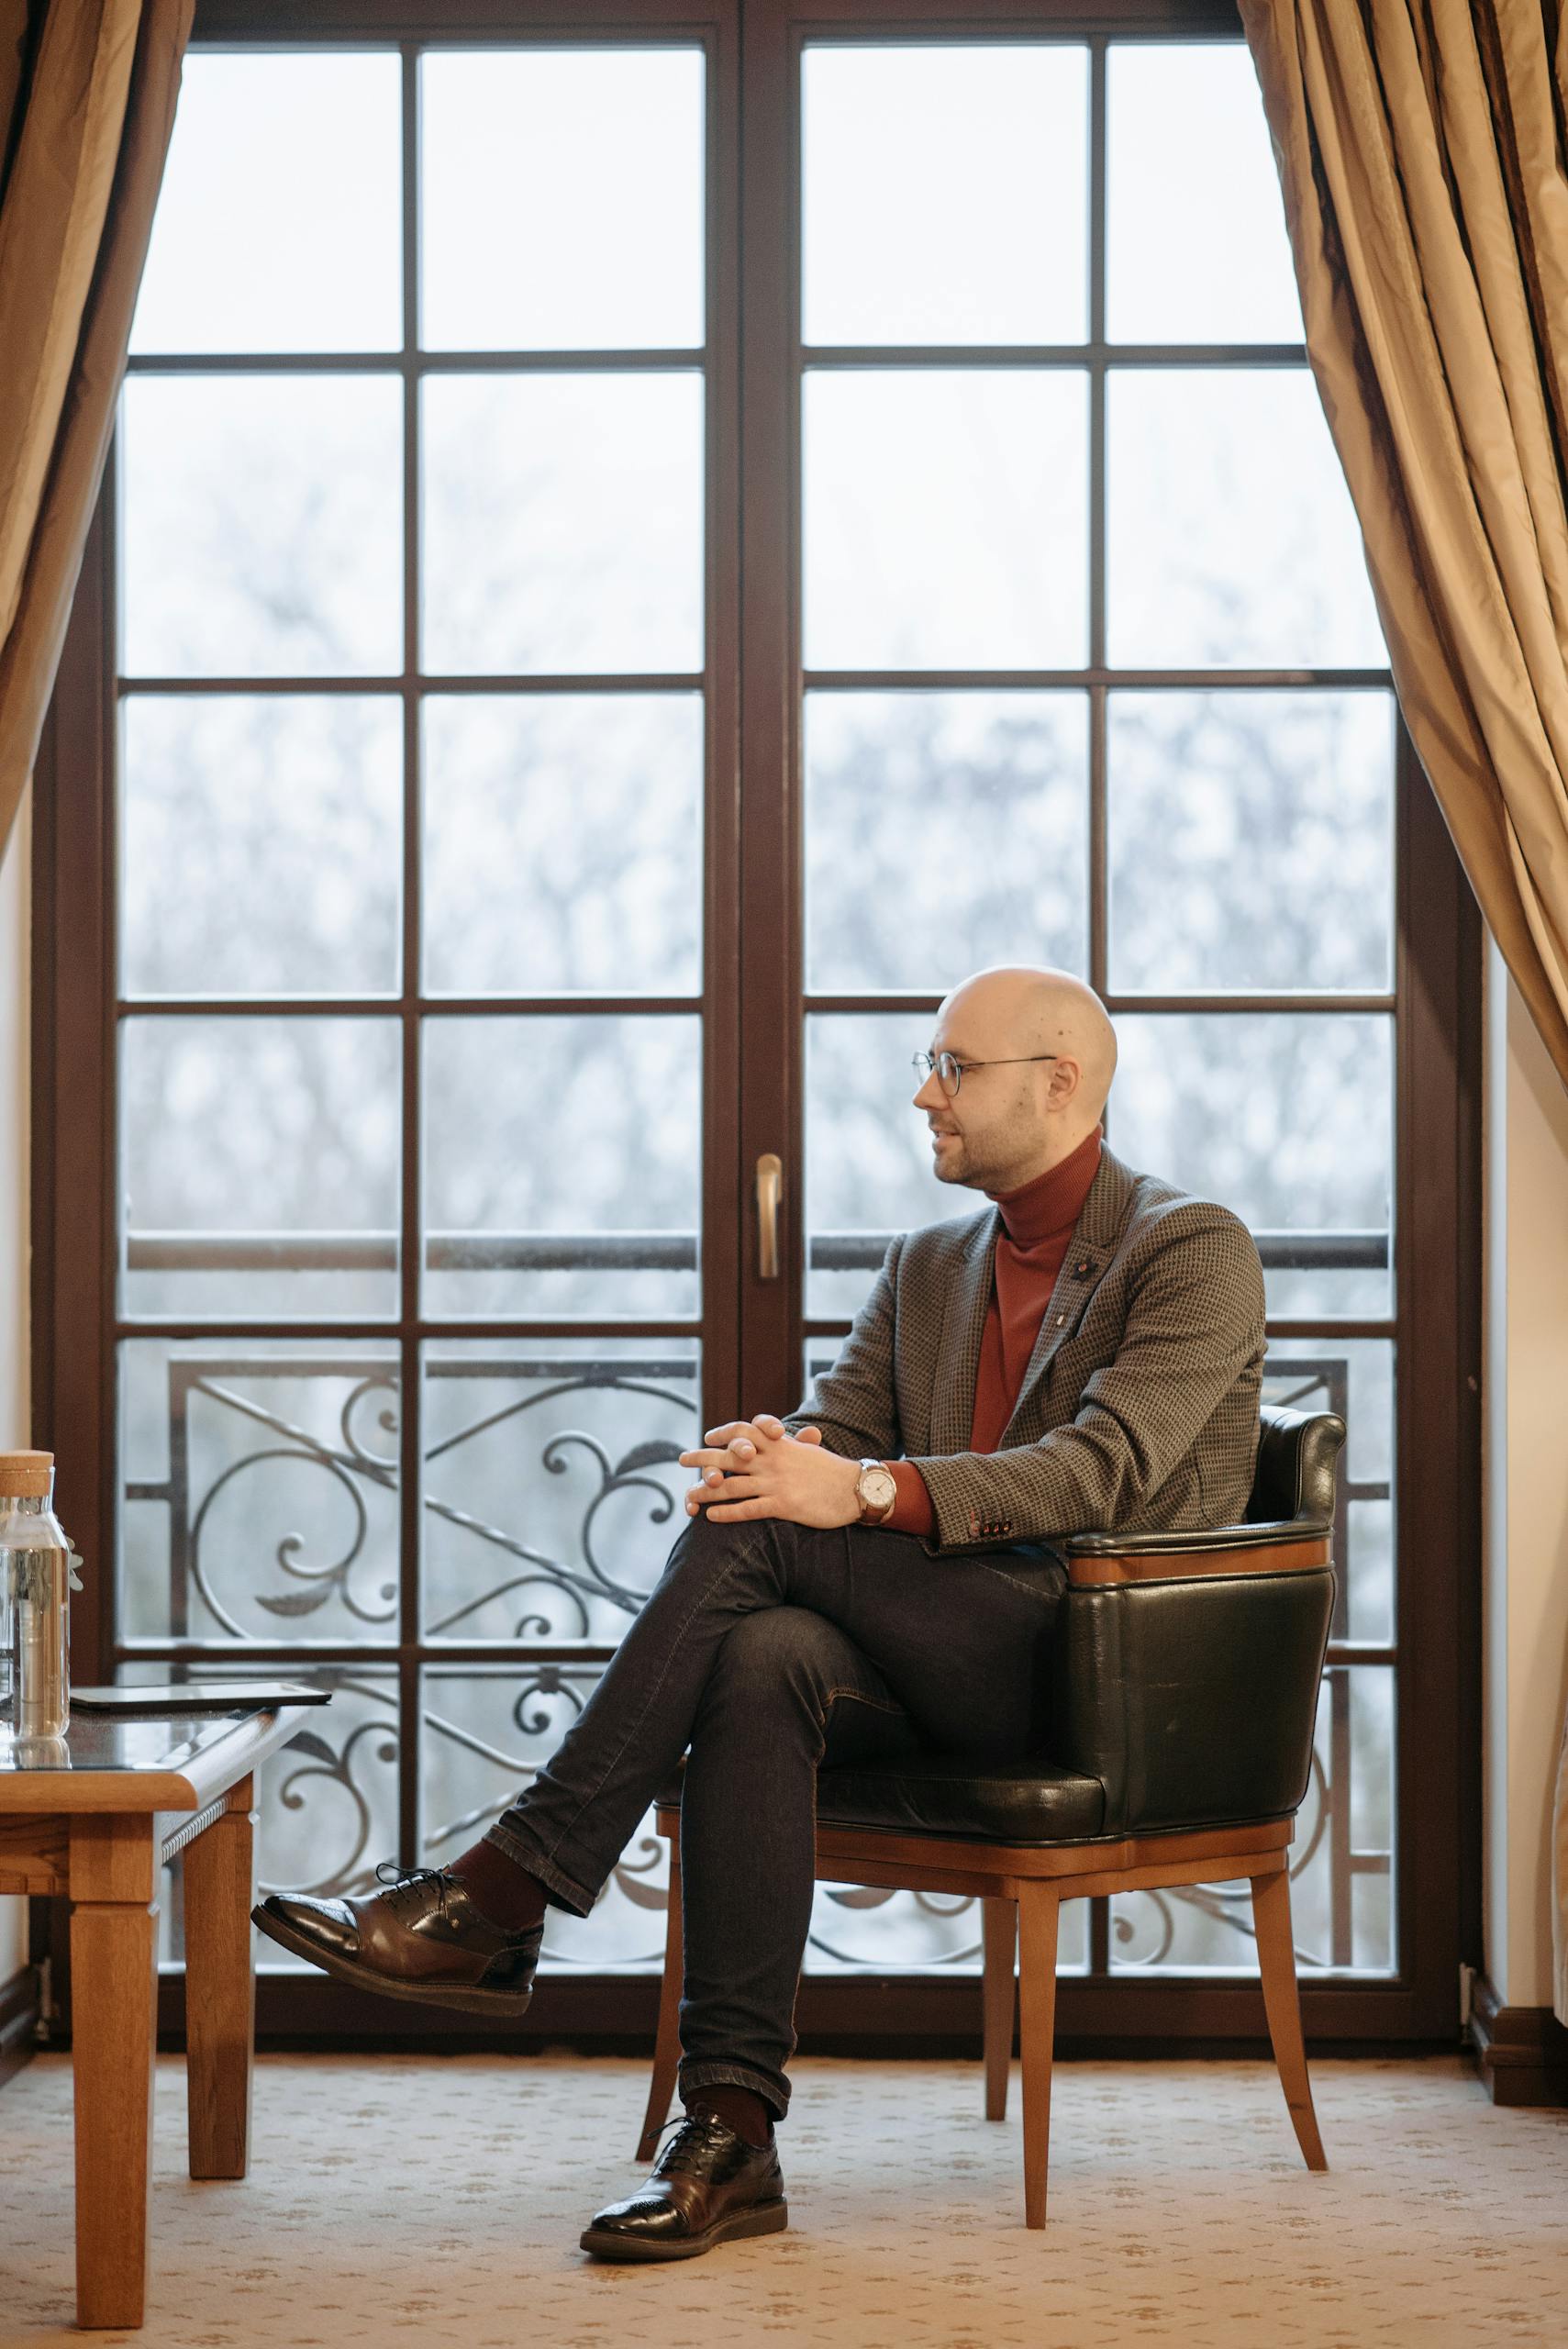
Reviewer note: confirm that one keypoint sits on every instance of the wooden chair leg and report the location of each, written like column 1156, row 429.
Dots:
column 1039, row 1907
column 1282, row 2003
column 220, row 1989
column 999, row 1924
column 667, row 2045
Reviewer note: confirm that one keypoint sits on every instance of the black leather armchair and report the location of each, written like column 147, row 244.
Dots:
column 1184, row 1672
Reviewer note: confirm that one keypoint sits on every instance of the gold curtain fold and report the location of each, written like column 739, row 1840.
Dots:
column 1420, row 146
column 87, row 96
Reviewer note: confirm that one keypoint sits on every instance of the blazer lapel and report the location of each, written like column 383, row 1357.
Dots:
column 1095, row 1236
column 963, row 1325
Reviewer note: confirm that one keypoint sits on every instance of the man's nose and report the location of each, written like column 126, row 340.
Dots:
column 930, row 1094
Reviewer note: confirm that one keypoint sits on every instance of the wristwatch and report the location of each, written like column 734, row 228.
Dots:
column 878, row 1492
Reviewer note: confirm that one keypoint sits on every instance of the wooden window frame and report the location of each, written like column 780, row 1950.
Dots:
column 1437, row 1155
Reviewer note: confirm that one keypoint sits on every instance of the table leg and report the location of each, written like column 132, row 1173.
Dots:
column 113, row 1990
column 220, row 1989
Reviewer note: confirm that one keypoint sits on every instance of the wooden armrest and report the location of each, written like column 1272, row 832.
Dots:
column 1098, row 1558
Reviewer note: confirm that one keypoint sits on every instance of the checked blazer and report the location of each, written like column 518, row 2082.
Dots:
column 1139, row 1409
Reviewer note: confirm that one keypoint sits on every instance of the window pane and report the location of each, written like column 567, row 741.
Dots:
column 1285, row 1118
column 1355, row 1377
column 563, row 842
column 1230, row 534
column 259, row 1497
column 562, row 199
column 944, row 832
column 262, row 844
column 1341, row 1917
column 563, row 523
column 278, row 219
column 327, row 1799
column 262, row 526
column 1196, row 243
column 868, row 1151
column 562, row 1165
column 944, row 193
column 945, row 519
column 260, row 1160
column 1251, row 840
column 552, row 1489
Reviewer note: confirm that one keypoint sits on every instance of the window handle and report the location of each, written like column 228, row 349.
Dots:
column 769, row 1190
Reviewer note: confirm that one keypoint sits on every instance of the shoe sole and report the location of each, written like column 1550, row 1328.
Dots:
column 344, row 1969
column 761, row 2219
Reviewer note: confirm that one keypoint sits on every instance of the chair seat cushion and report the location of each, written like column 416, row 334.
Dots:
column 1029, row 1801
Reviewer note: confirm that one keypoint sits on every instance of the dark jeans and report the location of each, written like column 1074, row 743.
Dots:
column 768, row 1648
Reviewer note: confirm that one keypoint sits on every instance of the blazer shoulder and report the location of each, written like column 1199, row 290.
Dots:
column 1164, row 1214
column 930, row 1245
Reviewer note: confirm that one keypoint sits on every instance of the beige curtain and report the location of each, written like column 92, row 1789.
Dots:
column 87, row 94
column 1420, row 151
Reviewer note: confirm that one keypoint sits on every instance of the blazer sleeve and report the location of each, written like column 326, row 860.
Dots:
column 1194, row 1326
column 854, row 1404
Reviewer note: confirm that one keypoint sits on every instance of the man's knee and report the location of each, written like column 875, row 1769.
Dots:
column 780, row 1654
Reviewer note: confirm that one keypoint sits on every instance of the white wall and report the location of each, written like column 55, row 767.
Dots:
column 1524, row 1469
column 15, row 1426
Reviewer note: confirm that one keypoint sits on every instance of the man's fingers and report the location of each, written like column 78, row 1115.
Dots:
column 809, row 1435
column 714, row 1459
column 713, row 1484
column 734, row 1512
column 730, row 1428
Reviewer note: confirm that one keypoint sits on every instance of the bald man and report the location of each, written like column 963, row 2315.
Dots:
column 871, row 1577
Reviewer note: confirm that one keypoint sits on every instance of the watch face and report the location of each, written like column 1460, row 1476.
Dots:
column 878, row 1487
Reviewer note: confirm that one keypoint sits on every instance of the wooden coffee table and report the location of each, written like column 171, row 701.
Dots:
column 95, row 1819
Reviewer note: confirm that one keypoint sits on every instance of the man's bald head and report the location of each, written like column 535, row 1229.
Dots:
column 1011, row 1122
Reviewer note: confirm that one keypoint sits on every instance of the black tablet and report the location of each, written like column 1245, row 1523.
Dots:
column 196, row 1696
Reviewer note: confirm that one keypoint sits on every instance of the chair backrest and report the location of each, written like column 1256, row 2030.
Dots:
column 1194, row 1700
column 1293, row 1482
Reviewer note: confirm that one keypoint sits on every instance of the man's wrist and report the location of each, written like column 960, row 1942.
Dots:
column 876, row 1492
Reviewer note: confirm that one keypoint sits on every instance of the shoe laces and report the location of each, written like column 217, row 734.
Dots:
column 401, row 1879
column 690, row 2151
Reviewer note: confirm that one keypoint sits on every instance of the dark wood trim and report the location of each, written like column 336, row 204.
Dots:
column 20, row 2007
column 1438, row 1617
column 72, row 1193
column 254, row 21
column 1521, row 2051
column 871, row 2015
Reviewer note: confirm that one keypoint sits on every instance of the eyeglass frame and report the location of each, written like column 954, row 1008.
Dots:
column 931, row 1064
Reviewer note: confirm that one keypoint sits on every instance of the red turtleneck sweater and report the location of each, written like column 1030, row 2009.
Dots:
column 1037, row 1224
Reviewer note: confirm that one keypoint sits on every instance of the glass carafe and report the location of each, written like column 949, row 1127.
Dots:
column 36, row 1583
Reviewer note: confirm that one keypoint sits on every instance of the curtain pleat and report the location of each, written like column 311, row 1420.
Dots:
column 89, row 90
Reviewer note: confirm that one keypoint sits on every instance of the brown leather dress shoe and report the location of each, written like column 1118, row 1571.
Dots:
column 707, row 2187
column 422, row 1938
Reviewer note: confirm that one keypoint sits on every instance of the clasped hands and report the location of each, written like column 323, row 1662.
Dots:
column 756, row 1468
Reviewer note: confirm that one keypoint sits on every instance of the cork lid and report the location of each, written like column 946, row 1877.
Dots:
column 26, row 1473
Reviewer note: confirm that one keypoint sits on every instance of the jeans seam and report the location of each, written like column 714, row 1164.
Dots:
column 1031, row 1588
column 877, row 1703
column 726, row 1569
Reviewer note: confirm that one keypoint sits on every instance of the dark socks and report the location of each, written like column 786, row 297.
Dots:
column 513, row 1899
column 499, row 1888
column 749, row 2115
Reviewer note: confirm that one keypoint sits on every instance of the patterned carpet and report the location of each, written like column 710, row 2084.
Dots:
column 402, row 2196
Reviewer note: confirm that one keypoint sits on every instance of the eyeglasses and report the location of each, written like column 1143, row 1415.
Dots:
column 949, row 1072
